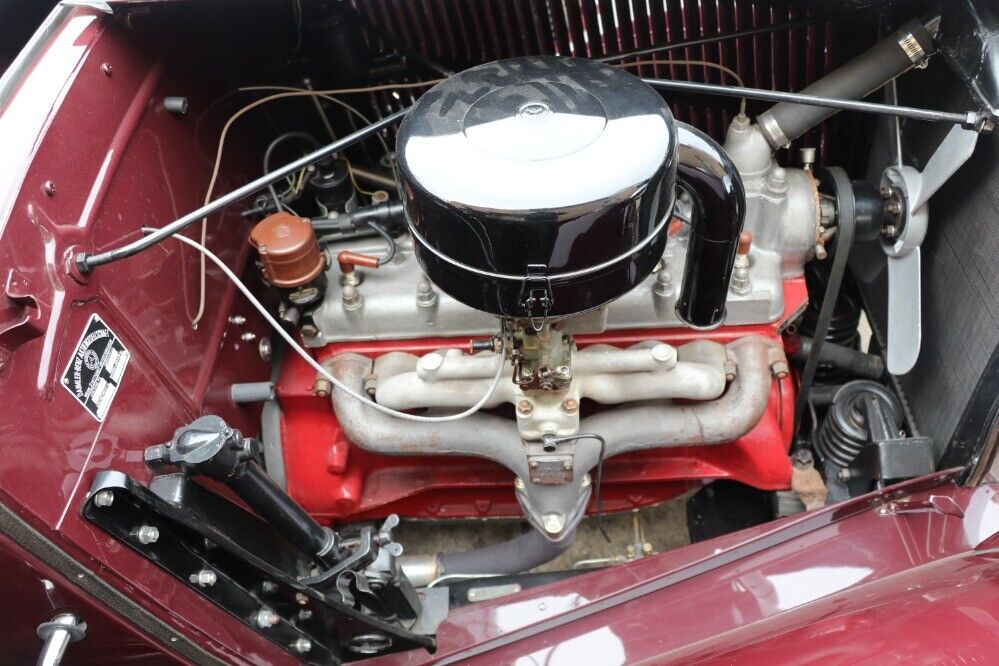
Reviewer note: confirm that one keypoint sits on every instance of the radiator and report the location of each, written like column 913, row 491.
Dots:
column 462, row 33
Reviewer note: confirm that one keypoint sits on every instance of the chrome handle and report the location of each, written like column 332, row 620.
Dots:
column 58, row 633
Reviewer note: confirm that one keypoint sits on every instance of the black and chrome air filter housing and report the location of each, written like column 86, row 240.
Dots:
column 538, row 186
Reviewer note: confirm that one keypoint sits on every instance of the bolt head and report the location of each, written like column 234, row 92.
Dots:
column 249, row 336
column 266, row 618
column 266, row 350
column 553, row 522
column 802, row 458
column 524, row 407
column 843, row 475
column 148, row 534
column 519, row 484
column 301, row 645
column 585, row 481
column 104, row 498
column 106, row 68
column 204, row 578
column 570, row 405
column 49, row 188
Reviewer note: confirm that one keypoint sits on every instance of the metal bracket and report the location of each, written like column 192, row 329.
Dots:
column 197, row 530
column 536, row 296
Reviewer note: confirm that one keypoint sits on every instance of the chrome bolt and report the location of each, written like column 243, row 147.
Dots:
column 553, row 522
column 249, row 336
column 104, row 498
column 204, row 578
column 268, row 587
column 265, row 618
column 49, row 188
column 237, row 320
column 106, row 68
column 304, row 615
column 585, row 481
column 301, row 645
column 266, row 350
column 525, row 407
column 843, row 475
column 147, row 534
column 301, row 599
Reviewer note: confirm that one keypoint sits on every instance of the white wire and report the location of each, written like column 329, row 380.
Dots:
column 318, row 367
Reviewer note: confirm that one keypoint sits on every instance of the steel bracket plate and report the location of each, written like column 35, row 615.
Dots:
column 189, row 541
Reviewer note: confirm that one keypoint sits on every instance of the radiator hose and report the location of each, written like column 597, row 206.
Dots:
column 905, row 48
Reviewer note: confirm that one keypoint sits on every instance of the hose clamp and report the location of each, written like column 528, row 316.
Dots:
column 910, row 45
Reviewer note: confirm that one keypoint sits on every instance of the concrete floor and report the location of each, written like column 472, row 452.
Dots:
column 663, row 526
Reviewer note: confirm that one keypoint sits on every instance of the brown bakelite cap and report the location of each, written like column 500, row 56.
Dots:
column 288, row 250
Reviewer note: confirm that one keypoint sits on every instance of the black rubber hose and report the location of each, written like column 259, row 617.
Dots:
column 906, row 47
column 857, row 363
column 517, row 555
column 714, row 184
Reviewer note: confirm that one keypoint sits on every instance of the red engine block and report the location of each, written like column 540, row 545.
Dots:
column 337, row 481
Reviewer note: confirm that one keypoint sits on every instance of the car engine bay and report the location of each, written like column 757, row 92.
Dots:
column 521, row 268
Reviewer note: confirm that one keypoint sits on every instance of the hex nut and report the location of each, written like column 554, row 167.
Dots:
column 147, row 534
column 553, row 522
column 204, row 578
column 104, row 498
column 301, row 645
column 265, row 618
column 524, row 407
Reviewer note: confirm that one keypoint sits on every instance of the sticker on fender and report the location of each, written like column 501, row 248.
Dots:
column 94, row 372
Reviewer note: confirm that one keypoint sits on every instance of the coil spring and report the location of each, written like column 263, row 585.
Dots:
column 844, row 431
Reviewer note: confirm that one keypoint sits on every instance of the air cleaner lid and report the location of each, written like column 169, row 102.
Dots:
column 562, row 163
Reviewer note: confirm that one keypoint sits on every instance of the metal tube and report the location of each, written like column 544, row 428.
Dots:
column 284, row 514
column 970, row 119
column 705, row 170
column 86, row 262
column 517, row 555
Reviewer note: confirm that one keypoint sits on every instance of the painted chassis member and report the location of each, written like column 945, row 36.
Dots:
column 908, row 572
